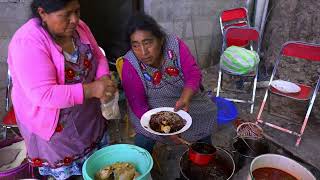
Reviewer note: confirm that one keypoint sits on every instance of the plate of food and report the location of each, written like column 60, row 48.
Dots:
column 164, row 121
column 285, row 86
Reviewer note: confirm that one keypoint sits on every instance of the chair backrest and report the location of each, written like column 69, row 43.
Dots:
column 234, row 17
column 299, row 50
column 102, row 50
column 119, row 64
column 235, row 36
column 302, row 50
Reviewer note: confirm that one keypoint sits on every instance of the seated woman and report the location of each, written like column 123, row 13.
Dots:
column 160, row 71
column 59, row 77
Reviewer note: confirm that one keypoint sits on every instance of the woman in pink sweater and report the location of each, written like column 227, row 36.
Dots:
column 59, row 78
column 160, row 71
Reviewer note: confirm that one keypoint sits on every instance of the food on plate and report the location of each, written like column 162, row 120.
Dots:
column 166, row 122
column 117, row 171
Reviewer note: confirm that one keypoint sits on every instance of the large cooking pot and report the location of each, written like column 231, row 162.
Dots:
column 246, row 149
column 222, row 167
column 282, row 163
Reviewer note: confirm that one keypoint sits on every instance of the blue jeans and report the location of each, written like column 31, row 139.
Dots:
column 148, row 143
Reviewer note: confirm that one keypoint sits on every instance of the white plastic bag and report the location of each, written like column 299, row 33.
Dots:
column 111, row 110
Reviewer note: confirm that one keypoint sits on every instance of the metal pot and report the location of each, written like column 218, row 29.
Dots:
column 222, row 167
column 245, row 150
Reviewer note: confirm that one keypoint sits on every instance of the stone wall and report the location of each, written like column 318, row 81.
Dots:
column 293, row 20
column 194, row 21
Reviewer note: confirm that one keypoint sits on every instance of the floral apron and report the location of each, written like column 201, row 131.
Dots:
column 80, row 128
column 167, row 91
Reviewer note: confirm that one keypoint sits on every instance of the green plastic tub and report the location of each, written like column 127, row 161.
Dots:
column 139, row 157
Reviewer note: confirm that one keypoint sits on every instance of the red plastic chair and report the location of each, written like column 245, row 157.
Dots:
column 234, row 17
column 232, row 36
column 303, row 51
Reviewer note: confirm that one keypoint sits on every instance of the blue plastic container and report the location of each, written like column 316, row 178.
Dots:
column 226, row 110
column 139, row 157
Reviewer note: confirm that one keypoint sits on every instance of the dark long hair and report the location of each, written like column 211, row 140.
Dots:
column 49, row 6
column 141, row 21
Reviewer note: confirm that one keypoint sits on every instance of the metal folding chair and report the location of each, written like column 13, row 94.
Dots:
column 234, row 17
column 9, row 120
column 303, row 51
column 231, row 37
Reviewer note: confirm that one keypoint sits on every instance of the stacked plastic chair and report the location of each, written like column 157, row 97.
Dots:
column 234, row 17
column 231, row 37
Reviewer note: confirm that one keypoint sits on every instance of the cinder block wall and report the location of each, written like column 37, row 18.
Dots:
column 195, row 21
column 13, row 13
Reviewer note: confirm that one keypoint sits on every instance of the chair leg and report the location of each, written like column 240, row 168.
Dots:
column 4, row 133
column 305, row 121
column 269, row 104
column 262, row 107
column 219, row 82
column 254, row 91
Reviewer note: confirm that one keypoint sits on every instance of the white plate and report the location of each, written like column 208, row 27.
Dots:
column 285, row 86
column 146, row 118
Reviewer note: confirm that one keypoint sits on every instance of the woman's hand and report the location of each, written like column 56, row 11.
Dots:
column 103, row 89
column 109, row 91
column 182, row 103
column 184, row 100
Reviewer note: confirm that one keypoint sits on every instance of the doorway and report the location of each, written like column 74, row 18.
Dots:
column 107, row 21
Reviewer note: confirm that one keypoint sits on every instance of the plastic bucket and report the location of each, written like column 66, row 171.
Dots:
column 282, row 163
column 226, row 110
column 139, row 157
column 22, row 171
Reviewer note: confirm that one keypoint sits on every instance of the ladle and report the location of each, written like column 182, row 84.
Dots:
column 247, row 144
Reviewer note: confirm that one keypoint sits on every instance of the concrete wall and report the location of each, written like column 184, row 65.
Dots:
column 195, row 21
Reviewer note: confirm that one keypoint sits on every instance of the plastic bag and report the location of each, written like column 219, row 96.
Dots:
column 111, row 110
column 238, row 60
